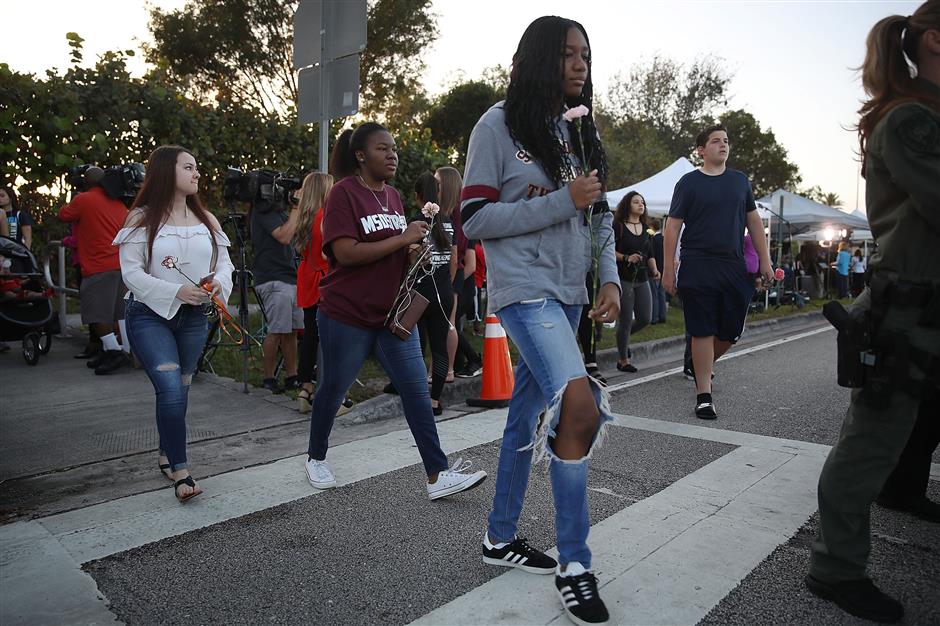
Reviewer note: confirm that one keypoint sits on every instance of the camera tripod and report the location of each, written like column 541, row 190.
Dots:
column 243, row 283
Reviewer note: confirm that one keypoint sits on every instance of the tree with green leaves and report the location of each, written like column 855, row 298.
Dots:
column 453, row 115
column 675, row 100
column 816, row 194
column 242, row 50
column 757, row 153
column 634, row 149
column 104, row 116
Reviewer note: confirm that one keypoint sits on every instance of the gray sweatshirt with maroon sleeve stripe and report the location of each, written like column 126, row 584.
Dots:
column 537, row 244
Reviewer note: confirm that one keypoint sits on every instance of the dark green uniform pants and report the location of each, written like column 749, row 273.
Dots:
column 869, row 446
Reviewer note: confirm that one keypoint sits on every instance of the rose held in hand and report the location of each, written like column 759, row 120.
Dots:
column 576, row 113
column 430, row 209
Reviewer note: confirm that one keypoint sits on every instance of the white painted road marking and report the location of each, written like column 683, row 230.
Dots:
column 730, row 355
column 670, row 558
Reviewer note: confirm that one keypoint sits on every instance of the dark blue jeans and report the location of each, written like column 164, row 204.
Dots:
column 659, row 300
column 169, row 351
column 343, row 349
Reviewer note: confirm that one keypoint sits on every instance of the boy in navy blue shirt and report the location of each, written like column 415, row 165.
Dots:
column 715, row 204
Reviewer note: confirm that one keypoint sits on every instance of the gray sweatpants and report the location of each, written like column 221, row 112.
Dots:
column 636, row 308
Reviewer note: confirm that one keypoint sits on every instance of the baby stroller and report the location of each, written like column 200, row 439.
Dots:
column 26, row 311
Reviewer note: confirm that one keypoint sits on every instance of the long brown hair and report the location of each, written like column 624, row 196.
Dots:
column 155, row 198
column 623, row 209
column 312, row 198
column 885, row 74
column 451, row 185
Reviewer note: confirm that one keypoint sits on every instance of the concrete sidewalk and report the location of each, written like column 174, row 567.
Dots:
column 72, row 439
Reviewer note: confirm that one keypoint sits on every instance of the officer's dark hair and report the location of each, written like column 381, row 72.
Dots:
column 344, row 162
column 702, row 138
column 886, row 76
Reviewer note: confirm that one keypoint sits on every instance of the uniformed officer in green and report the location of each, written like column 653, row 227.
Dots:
column 900, row 140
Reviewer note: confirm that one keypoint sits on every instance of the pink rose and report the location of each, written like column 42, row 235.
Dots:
column 578, row 112
column 430, row 209
column 169, row 262
column 779, row 274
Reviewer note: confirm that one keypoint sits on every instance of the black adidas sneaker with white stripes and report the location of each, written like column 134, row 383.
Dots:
column 518, row 554
column 577, row 589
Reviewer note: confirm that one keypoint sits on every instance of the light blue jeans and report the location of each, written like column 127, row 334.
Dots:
column 544, row 332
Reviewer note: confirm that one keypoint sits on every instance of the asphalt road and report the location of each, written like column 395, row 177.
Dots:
column 376, row 551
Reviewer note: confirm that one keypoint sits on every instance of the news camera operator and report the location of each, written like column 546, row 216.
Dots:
column 272, row 228
column 98, row 213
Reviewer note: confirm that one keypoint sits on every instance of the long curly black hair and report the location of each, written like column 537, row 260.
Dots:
column 535, row 97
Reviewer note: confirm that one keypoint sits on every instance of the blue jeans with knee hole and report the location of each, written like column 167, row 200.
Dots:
column 544, row 333
column 169, row 350
column 344, row 348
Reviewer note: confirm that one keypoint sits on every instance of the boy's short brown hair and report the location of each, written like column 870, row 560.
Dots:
column 702, row 138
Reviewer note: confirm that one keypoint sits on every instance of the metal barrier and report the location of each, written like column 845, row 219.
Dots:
column 60, row 289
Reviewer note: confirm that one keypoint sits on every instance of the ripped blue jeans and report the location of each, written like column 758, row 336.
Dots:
column 169, row 350
column 544, row 332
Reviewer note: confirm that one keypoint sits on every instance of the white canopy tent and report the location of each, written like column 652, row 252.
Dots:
column 657, row 189
column 803, row 215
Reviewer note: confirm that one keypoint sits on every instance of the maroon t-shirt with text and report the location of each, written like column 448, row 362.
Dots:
column 362, row 295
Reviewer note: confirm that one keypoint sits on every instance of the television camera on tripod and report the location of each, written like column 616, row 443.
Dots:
column 262, row 188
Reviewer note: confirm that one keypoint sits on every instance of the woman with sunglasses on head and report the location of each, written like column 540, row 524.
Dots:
column 534, row 197
column 367, row 240
column 174, row 259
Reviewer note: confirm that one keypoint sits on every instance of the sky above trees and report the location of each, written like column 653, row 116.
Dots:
column 791, row 61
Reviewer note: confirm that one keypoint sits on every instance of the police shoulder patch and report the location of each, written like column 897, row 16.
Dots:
column 920, row 132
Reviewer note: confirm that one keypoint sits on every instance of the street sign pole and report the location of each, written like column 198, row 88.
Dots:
column 341, row 28
column 324, row 87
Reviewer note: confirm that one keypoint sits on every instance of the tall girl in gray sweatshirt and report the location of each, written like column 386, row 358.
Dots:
column 537, row 209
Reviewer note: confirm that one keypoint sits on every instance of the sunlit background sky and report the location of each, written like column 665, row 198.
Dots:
column 792, row 60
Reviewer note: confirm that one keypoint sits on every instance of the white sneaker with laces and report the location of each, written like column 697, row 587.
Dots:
column 319, row 474
column 455, row 480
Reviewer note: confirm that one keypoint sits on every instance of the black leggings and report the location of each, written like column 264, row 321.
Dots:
column 308, row 346
column 436, row 321
column 465, row 353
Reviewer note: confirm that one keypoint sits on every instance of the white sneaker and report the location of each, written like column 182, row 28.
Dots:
column 319, row 474
column 455, row 480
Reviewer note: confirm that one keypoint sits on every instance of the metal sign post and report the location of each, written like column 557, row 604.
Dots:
column 328, row 62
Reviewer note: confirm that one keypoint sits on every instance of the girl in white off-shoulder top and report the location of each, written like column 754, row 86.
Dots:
column 168, row 243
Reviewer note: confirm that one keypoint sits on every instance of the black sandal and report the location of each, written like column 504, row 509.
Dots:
column 595, row 373
column 186, row 481
column 629, row 368
column 304, row 400
column 164, row 469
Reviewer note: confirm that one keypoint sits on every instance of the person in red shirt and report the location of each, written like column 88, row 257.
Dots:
column 97, row 218
column 308, row 242
column 367, row 240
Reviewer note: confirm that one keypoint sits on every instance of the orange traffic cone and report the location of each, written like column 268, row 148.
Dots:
column 498, row 379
